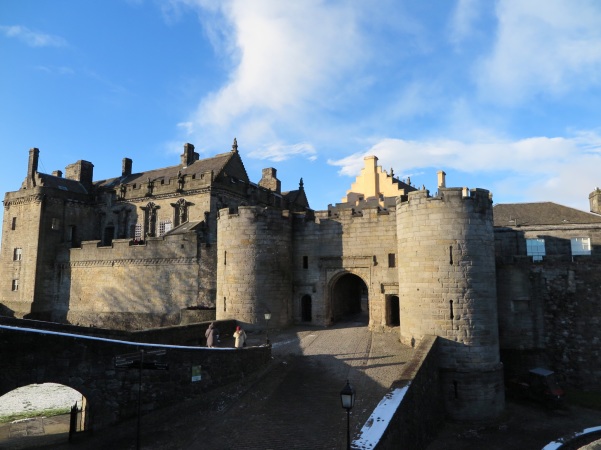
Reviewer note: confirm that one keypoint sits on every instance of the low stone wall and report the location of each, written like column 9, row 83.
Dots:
column 188, row 316
column 84, row 359
column 192, row 334
column 419, row 409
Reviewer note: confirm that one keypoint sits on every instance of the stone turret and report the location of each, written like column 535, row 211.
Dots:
column 447, row 288
column 254, row 272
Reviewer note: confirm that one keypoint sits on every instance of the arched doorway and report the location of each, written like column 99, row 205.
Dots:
column 306, row 313
column 45, row 413
column 349, row 299
column 393, row 314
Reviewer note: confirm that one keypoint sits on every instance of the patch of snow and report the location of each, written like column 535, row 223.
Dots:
column 38, row 397
column 564, row 440
column 376, row 425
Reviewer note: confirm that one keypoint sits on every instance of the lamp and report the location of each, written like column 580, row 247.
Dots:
column 347, row 397
column 267, row 317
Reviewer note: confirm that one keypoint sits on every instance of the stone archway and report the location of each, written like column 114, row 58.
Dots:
column 41, row 413
column 349, row 299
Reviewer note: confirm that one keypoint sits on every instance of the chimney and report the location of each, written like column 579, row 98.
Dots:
column 270, row 181
column 442, row 183
column 81, row 171
column 32, row 167
column 57, row 173
column 189, row 155
column 126, row 167
column 594, row 200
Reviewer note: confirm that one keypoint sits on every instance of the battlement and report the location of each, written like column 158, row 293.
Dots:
column 254, row 213
column 479, row 198
column 165, row 247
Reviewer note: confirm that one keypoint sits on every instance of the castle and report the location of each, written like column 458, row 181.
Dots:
column 504, row 287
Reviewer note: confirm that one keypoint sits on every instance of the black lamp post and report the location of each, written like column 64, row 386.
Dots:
column 267, row 317
column 347, row 397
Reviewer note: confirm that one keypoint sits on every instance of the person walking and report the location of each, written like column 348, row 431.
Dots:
column 240, row 336
column 210, row 335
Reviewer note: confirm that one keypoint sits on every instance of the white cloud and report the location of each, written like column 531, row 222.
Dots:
column 284, row 58
column 559, row 169
column 280, row 152
column 542, row 47
column 288, row 53
column 462, row 21
column 32, row 38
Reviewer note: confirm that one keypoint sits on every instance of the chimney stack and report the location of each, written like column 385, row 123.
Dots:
column 82, row 171
column 441, row 179
column 126, row 165
column 189, row 155
column 32, row 167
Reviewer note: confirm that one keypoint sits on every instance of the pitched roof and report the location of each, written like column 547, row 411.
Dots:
column 296, row 197
column 215, row 164
column 64, row 184
column 541, row 213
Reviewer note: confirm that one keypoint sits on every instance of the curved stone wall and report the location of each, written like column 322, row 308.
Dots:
column 447, row 288
column 254, row 272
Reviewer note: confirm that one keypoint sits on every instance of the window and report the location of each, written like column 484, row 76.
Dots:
column 56, row 224
column 305, row 262
column 391, row 260
column 138, row 232
column 15, row 285
column 14, row 223
column 535, row 248
column 164, row 226
column 581, row 246
column 17, row 252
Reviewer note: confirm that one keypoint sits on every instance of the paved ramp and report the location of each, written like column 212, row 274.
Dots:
column 294, row 405
column 297, row 405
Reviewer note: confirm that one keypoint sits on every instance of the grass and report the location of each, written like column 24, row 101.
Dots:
column 586, row 399
column 30, row 414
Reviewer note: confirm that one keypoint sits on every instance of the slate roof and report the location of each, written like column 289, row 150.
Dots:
column 297, row 197
column 185, row 227
column 540, row 213
column 216, row 164
column 64, row 184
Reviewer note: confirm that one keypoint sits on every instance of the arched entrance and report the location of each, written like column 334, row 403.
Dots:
column 306, row 309
column 45, row 413
column 349, row 299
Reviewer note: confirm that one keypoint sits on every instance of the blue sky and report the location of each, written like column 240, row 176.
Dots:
column 501, row 95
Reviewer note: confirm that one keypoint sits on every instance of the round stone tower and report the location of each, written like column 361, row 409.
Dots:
column 254, row 273
column 447, row 288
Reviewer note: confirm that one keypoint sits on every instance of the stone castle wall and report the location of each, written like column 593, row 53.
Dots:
column 135, row 286
column 357, row 243
column 447, row 288
column 550, row 318
column 26, row 213
column 254, row 276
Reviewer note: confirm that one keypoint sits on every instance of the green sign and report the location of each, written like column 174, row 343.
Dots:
column 196, row 373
